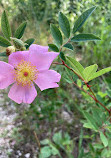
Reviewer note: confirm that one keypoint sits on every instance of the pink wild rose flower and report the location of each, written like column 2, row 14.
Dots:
column 26, row 68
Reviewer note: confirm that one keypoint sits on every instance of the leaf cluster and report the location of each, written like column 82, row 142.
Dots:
column 66, row 34
column 8, row 39
column 60, row 141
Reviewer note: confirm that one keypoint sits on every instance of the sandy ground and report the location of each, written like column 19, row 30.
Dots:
column 8, row 125
column 7, row 116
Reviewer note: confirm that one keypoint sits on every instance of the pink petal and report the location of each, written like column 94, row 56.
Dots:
column 47, row 79
column 16, row 57
column 38, row 48
column 22, row 94
column 6, row 75
column 42, row 61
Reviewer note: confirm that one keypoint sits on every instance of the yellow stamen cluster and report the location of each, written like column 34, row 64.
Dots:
column 25, row 73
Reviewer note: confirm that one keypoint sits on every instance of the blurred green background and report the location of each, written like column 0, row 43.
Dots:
column 40, row 13
column 56, row 111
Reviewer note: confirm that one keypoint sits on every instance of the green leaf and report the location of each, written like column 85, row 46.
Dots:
column 89, row 71
column 98, row 146
column 79, row 82
column 57, row 138
column 85, row 87
column 45, row 142
column 88, row 125
column 91, row 148
column 53, row 47
column 104, row 139
column 69, row 46
column 62, row 56
column 54, row 150
column 91, row 120
column 45, row 152
column 76, row 66
column 20, row 30
column 81, row 154
column 3, row 54
column 67, row 79
column 4, row 42
column 64, row 24
column 80, row 139
column 56, row 34
column 99, row 73
column 84, row 37
column 5, row 26
column 81, row 20
column 29, row 42
column 81, row 150
column 69, row 76
column 104, row 153
column 96, row 115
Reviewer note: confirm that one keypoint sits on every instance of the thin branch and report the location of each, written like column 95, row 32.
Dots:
column 72, row 70
column 88, row 86
column 37, row 140
column 65, row 43
column 95, row 99
column 93, row 95
column 57, row 63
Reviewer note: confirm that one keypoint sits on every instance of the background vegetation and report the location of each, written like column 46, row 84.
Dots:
column 56, row 114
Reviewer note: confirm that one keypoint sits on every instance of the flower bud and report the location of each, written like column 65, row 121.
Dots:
column 18, row 43
column 10, row 50
column 23, row 48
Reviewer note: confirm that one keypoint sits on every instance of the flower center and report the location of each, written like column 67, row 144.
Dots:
column 25, row 73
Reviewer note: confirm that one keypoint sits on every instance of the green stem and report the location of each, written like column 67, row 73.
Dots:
column 93, row 95
column 64, row 44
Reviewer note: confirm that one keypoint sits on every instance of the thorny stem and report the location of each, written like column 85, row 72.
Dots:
column 63, row 63
column 83, row 90
column 90, row 89
column 93, row 95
